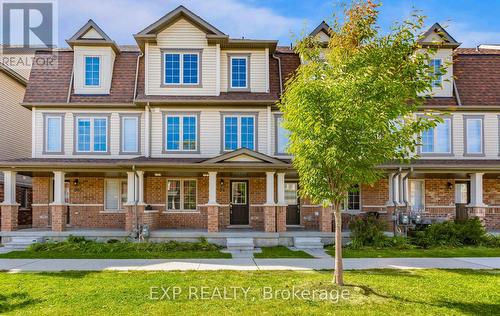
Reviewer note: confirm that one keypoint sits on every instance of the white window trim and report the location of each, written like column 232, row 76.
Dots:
column 60, row 118
column 481, row 136
column 136, row 118
column 85, row 72
column 181, row 133
column 120, row 192
column 435, row 141
column 434, row 80
column 91, row 119
column 410, row 192
column 181, row 68
column 181, row 192
column 231, row 72
column 239, row 117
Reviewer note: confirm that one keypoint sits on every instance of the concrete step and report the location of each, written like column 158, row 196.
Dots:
column 21, row 243
column 240, row 243
column 307, row 243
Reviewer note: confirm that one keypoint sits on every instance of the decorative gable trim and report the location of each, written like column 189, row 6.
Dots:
column 79, row 37
column 244, row 155
column 447, row 40
column 323, row 27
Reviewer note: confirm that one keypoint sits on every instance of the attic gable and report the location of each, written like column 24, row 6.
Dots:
column 244, row 155
column 322, row 31
column 436, row 35
column 91, row 35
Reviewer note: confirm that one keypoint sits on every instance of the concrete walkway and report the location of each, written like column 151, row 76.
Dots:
column 38, row 265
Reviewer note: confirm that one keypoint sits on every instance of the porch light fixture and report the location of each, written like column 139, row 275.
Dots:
column 222, row 184
column 450, row 185
column 157, row 174
column 75, row 182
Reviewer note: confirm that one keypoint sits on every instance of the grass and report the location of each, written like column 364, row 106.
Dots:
column 437, row 252
column 281, row 252
column 375, row 292
column 79, row 248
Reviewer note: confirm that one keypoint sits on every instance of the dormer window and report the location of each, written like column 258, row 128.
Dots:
column 92, row 71
column 182, row 68
column 239, row 72
column 437, row 76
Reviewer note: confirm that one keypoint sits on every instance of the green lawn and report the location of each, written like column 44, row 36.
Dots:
column 369, row 252
column 281, row 252
column 376, row 292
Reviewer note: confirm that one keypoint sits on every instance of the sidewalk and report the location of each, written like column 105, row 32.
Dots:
column 54, row 265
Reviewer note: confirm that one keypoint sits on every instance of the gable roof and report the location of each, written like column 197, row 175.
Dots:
column 447, row 39
column 249, row 156
column 79, row 37
column 13, row 74
column 322, row 27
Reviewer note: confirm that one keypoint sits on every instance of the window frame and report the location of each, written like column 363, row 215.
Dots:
column 347, row 209
column 85, row 72
column 92, row 117
column 466, row 140
column 410, row 188
column 137, row 117
column 121, row 205
column 230, row 57
column 181, row 193
column 440, row 80
column 61, row 117
column 181, row 115
column 239, row 115
column 277, row 152
column 434, row 153
column 181, row 53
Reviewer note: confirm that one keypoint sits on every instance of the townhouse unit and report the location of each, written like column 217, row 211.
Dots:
column 182, row 133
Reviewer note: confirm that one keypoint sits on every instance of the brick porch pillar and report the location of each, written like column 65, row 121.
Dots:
column 477, row 212
column 477, row 208
column 212, row 218
column 269, row 218
column 10, row 209
column 9, row 217
column 59, row 217
column 281, row 205
column 325, row 220
column 130, row 219
column 281, row 218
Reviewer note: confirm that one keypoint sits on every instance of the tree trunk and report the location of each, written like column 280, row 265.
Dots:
column 339, row 269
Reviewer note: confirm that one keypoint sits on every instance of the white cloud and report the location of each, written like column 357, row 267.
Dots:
column 123, row 18
column 470, row 37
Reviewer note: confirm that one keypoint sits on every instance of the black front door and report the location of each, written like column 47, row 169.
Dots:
column 239, row 207
column 292, row 199
column 462, row 198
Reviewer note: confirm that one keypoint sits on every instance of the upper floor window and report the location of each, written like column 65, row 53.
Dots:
column 54, row 133
column 239, row 66
column 92, row 71
column 282, row 137
column 130, row 134
column 181, row 195
column 92, row 134
column 436, row 72
column 239, row 132
column 182, row 68
column 181, row 132
column 473, row 135
column 438, row 139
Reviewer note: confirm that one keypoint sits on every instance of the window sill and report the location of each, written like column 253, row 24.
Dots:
column 112, row 212
column 181, row 212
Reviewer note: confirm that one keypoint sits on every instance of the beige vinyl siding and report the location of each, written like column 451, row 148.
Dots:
column 181, row 35
column 15, row 126
column 210, row 129
column 258, row 69
column 69, row 133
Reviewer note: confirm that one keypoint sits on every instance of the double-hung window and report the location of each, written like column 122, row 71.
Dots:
column 181, row 195
column 354, row 200
column 474, row 135
column 437, row 140
column 239, row 132
column 115, row 191
column 181, row 132
column 92, row 135
column 181, row 68
column 282, row 137
column 239, row 72
column 130, row 134
column 53, row 134
column 435, row 69
column 92, row 71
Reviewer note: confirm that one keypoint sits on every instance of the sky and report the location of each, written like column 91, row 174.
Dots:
column 471, row 22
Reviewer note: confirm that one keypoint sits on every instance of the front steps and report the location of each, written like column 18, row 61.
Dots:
column 20, row 243
column 240, row 243
column 307, row 242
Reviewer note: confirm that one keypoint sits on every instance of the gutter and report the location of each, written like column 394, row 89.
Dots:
column 279, row 71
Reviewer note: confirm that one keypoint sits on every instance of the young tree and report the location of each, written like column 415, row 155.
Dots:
column 351, row 107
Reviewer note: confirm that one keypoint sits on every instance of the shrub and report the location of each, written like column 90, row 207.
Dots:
column 451, row 234
column 367, row 231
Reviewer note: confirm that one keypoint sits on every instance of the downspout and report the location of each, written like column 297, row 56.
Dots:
column 394, row 201
column 136, row 215
column 147, row 127
column 279, row 72
column 456, row 93
column 68, row 98
column 405, row 187
column 137, row 74
column 269, row 121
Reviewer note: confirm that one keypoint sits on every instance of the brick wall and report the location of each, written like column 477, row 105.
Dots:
column 374, row 196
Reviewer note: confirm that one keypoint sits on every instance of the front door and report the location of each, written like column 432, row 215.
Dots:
column 239, row 207
column 461, row 200
column 292, row 199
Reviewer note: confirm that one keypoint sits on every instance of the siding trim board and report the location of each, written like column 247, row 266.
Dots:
column 164, row 150
column 44, row 149
column 76, row 116
column 483, row 144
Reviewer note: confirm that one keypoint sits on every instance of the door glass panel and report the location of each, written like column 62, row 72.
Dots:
column 291, row 197
column 460, row 193
column 239, row 192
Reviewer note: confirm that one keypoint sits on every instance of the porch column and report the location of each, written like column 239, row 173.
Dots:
column 10, row 209
column 212, row 205
column 477, row 208
column 390, row 180
column 270, row 206
column 140, row 187
column 281, row 206
column 131, row 187
column 58, row 207
column 130, row 216
column 325, row 219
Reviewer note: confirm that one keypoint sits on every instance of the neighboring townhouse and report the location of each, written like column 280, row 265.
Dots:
column 183, row 132
column 15, row 134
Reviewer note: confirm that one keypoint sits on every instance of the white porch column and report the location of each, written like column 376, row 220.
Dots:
column 403, row 189
column 130, row 187
column 270, row 188
column 9, row 187
column 58, row 188
column 476, row 187
column 212, row 188
column 390, row 200
column 140, row 187
column 281, row 188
